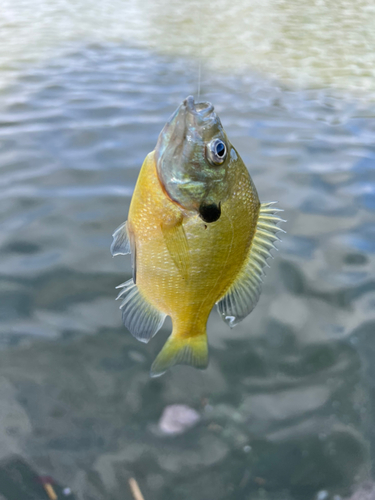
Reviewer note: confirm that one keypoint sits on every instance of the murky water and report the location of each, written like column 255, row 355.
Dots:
column 287, row 403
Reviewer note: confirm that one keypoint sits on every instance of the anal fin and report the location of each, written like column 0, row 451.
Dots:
column 140, row 317
column 243, row 295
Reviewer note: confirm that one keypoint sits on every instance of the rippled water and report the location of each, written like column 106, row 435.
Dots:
column 287, row 403
column 306, row 43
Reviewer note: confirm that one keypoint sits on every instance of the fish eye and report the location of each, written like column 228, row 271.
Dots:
column 216, row 152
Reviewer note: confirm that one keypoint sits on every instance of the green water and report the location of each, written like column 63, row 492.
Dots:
column 287, row 403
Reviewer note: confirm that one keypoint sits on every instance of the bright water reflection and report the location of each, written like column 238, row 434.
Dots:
column 316, row 43
column 287, row 402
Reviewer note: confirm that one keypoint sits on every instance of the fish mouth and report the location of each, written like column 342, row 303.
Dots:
column 201, row 110
column 192, row 121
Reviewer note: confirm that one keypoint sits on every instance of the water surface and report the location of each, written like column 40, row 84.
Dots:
column 287, row 403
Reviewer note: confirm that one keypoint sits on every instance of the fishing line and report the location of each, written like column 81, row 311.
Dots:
column 199, row 76
column 200, row 38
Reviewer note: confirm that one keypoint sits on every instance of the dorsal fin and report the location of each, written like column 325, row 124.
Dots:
column 243, row 294
column 140, row 317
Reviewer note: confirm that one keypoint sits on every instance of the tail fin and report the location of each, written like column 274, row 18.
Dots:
column 191, row 351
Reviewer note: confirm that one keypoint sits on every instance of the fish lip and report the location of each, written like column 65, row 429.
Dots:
column 199, row 109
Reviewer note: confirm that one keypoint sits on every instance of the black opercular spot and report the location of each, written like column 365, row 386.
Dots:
column 210, row 212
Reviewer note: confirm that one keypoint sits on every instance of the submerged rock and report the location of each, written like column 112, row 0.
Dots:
column 365, row 492
column 177, row 419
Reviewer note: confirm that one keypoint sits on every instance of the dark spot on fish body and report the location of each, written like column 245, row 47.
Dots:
column 210, row 212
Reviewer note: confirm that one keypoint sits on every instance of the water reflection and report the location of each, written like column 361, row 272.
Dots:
column 302, row 43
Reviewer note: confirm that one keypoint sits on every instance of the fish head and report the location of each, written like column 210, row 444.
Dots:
column 192, row 156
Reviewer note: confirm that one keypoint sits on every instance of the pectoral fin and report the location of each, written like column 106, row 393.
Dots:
column 124, row 243
column 177, row 245
column 243, row 295
column 121, row 242
column 139, row 316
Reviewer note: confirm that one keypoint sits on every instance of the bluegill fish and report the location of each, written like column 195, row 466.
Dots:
column 198, row 236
